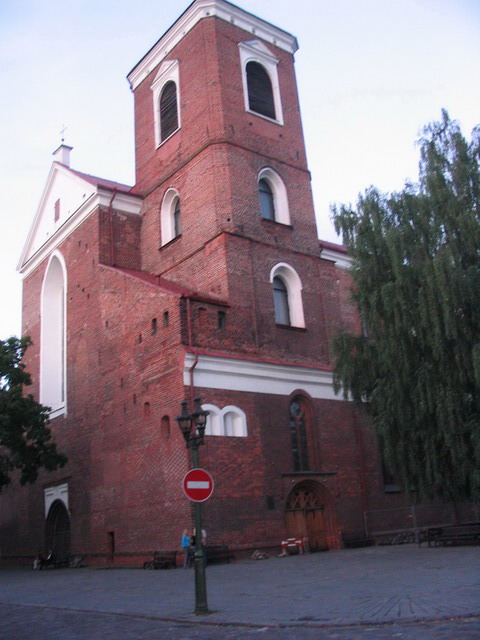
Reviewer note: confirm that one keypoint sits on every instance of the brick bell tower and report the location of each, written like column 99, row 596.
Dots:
column 221, row 165
column 228, row 213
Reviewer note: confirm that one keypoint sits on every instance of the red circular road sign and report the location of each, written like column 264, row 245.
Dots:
column 198, row 485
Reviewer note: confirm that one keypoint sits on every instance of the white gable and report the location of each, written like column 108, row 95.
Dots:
column 64, row 193
column 65, row 203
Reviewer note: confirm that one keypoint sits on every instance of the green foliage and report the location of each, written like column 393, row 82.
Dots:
column 25, row 440
column 416, row 274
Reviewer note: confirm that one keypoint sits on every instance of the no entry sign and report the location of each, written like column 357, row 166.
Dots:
column 198, row 485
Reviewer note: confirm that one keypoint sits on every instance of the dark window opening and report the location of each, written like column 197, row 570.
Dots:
column 260, row 91
column 177, row 230
column 389, row 480
column 280, row 299
column 298, row 435
column 165, row 427
column 165, row 319
column 222, row 319
column 56, row 215
column 168, row 110
column 111, row 543
column 154, row 326
column 265, row 195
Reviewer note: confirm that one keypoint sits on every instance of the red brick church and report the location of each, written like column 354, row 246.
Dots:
column 206, row 278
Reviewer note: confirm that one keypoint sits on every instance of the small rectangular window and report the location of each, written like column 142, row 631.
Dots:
column 56, row 216
column 165, row 319
column 222, row 319
column 154, row 326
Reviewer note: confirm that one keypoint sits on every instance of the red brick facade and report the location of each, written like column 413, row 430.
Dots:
column 135, row 308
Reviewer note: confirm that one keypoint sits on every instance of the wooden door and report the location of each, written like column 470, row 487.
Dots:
column 304, row 517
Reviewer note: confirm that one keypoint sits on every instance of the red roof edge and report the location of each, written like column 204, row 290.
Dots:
column 167, row 285
column 102, row 182
column 332, row 245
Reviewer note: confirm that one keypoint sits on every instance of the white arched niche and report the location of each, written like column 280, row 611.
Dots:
column 53, row 336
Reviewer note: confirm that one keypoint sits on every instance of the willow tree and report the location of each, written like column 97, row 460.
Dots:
column 26, row 441
column 416, row 283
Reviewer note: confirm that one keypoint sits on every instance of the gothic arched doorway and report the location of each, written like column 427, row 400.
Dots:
column 57, row 533
column 305, row 516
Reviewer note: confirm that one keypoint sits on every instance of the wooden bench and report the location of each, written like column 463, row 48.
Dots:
column 218, row 553
column 455, row 534
column 162, row 560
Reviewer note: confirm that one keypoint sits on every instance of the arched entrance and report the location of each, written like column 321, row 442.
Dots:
column 57, row 532
column 305, row 515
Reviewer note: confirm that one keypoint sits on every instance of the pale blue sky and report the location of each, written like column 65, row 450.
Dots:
column 371, row 73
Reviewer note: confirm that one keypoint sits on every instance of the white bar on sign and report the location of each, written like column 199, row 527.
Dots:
column 198, row 484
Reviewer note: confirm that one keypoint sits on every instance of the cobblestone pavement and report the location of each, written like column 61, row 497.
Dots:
column 381, row 592
column 43, row 623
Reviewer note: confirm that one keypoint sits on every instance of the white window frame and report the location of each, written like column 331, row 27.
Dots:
column 53, row 343
column 256, row 51
column 279, row 191
column 169, row 71
column 294, row 287
column 216, row 421
column 167, row 218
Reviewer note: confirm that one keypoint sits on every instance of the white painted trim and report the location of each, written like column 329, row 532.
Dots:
column 341, row 260
column 168, row 72
column 205, row 9
column 60, row 492
column 167, row 210
column 293, row 283
column 213, row 372
column 280, row 198
column 256, row 51
column 216, row 421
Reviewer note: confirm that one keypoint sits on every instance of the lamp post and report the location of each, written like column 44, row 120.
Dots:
column 192, row 425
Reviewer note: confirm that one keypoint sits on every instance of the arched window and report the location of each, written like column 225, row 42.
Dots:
column 166, row 101
column 287, row 295
column 272, row 196
column 229, row 421
column 280, row 299
column 52, row 341
column 298, row 434
column 260, row 90
column 265, row 195
column 170, row 216
column 168, row 110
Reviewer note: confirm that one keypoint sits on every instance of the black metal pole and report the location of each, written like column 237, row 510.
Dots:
column 201, row 606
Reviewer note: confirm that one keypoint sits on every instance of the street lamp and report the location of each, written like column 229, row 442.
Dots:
column 192, row 425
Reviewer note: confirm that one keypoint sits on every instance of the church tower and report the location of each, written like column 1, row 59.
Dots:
column 205, row 279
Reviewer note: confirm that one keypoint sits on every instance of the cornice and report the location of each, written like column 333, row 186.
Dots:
column 258, row 377
column 341, row 259
column 206, row 9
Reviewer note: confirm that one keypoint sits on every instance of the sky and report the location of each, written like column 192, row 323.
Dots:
column 370, row 73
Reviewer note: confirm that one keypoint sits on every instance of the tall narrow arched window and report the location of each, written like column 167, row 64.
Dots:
column 280, row 300
column 272, row 195
column 168, row 110
column 260, row 91
column 298, row 435
column 265, row 195
column 287, row 295
column 170, row 216
column 52, row 340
